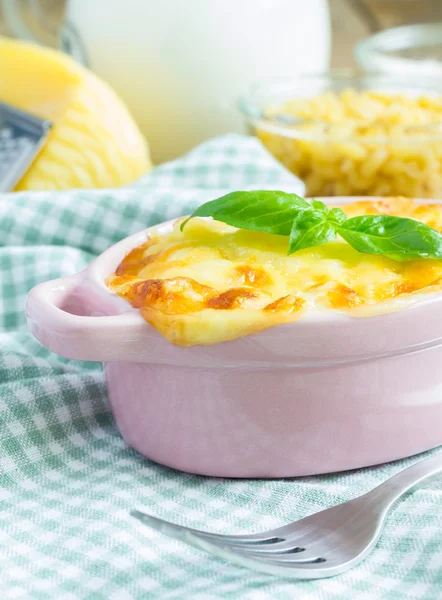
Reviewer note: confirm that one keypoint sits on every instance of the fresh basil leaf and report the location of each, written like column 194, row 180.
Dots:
column 320, row 206
column 312, row 224
column 337, row 215
column 310, row 228
column 398, row 238
column 259, row 210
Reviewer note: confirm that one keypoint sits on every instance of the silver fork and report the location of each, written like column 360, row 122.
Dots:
column 324, row 544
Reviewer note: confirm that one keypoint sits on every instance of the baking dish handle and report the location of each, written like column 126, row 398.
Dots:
column 97, row 338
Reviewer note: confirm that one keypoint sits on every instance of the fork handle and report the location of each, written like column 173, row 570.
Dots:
column 391, row 490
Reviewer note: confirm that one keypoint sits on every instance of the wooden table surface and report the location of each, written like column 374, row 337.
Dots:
column 351, row 20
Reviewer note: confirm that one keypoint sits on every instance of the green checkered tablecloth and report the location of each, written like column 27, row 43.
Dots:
column 68, row 480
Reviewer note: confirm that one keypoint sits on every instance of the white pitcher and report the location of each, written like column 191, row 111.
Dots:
column 181, row 64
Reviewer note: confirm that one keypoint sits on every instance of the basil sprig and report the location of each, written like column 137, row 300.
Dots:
column 310, row 224
column 269, row 211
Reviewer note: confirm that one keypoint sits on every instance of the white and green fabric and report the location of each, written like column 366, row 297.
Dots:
column 68, row 480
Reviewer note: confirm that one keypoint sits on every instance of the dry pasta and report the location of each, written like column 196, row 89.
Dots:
column 363, row 143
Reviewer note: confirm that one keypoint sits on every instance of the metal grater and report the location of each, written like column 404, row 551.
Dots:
column 21, row 137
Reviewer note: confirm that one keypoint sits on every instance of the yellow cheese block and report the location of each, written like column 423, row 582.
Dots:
column 94, row 142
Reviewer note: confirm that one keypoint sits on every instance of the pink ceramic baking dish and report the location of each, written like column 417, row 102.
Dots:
column 326, row 393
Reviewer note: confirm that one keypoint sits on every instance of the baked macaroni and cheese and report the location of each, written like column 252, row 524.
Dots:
column 212, row 282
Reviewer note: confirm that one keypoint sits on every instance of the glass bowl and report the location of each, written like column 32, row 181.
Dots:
column 411, row 49
column 353, row 156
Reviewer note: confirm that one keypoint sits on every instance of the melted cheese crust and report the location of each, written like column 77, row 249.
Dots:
column 212, row 282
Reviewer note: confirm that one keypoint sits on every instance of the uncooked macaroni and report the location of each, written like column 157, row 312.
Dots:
column 362, row 143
